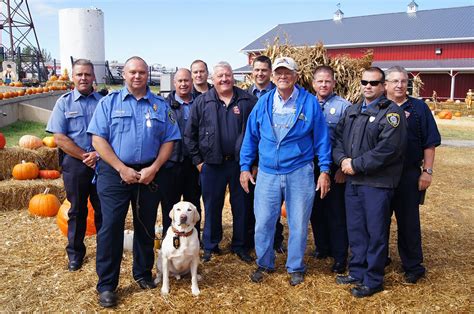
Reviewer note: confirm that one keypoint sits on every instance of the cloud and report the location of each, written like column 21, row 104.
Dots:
column 43, row 8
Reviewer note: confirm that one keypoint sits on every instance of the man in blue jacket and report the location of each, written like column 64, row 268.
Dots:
column 287, row 129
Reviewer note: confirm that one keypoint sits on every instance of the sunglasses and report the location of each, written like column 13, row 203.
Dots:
column 372, row 83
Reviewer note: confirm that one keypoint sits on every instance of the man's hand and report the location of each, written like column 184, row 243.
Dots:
column 324, row 184
column 147, row 175
column 346, row 167
column 340, row 177
column 89, row 159
column 424, row 181
column 129, row 175
column 245, row 177
column 199, row 167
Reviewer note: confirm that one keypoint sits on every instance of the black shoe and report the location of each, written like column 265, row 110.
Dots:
column 258, row 274
column 296, row 278
column 206, row 257
column 345, row 280
column 388, row 261
column 338, row 267
column 280, row 248
column 319, row 255
column 146, row 284
column 244, row 256
column 108, row 299
column 362, row 291
column 413, row 278
column 74, row 266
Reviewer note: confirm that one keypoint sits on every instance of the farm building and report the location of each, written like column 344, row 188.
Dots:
column 437, row 45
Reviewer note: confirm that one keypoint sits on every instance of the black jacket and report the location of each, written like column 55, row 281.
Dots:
column 375, row 140
column 179, row 150
column 202, row 134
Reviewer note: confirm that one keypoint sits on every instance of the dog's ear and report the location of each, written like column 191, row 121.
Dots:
column 196, row 216
column 172, row 214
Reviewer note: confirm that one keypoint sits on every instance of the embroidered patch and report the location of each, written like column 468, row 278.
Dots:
column 393, row 119
column 236, row 110
column 171, row 116
column 155, row 107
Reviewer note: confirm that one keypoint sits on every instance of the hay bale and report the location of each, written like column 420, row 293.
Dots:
column 348, row 71
column 16, row 194
column 44, row 157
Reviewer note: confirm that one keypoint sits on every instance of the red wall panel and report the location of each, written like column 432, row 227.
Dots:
column 412, row 52
column 441, row 83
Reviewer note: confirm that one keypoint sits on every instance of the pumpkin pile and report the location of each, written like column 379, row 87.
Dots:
column 59, row 83
column 445, row 114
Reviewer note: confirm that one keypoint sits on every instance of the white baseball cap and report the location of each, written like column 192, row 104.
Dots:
column 285, row 62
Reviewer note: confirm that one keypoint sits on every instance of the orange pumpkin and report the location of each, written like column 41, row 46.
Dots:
column 25, row 171
column 1, row 96
column 30, row 141
column 18, row 84
column 458, row 114
column 39, row 90
column 21, row 92
column 445, row 114
column 12, row 84
column 283, row 210
column 62, row 218
column 3, row 141
column 64, row 87
column 49, row 174
column 45, row 89
column 44, row 204
column 53, row 78
column 49, row 141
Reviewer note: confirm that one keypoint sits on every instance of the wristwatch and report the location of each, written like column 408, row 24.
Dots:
column 428, row 171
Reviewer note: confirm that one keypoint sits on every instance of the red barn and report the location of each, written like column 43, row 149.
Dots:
column 437, row 45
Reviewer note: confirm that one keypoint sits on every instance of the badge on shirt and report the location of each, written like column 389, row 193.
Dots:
column 332, row 111
column 302, row 117
column 393, row 119
column 407, row 114
column 371, row 119
column 155, row 107
column 171, row 116
column 236, row 110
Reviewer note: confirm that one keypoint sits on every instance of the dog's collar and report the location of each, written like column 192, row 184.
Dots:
column 182, row 233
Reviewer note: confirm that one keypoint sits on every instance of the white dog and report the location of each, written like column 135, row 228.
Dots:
column 179, row 254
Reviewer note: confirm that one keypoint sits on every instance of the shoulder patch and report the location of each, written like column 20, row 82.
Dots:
column 171, row 116
column 393, row 119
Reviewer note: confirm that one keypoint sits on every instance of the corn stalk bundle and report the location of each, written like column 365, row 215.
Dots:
column 347, row 70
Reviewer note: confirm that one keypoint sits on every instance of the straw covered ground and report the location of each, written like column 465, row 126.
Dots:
column 34, row 276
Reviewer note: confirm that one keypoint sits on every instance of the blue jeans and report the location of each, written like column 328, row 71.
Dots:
column 297, row 189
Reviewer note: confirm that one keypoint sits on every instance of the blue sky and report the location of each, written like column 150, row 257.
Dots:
column 174, row 33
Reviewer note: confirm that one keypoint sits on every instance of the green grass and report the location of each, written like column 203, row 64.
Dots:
column 456, row 133
column 14, row 131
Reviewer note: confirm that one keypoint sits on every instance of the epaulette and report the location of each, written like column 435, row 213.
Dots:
column 66, row 94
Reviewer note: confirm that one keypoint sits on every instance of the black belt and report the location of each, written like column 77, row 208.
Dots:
column 139, row 167
column 228, row 157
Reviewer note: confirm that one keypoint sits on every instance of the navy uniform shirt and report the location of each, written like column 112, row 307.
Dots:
column 71, row 116
column 333, row 108
column 134, row 129
column 422, row 131
column 230, row 124
column 253, row 89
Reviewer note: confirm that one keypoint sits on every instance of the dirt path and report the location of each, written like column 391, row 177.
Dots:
column 457, row 143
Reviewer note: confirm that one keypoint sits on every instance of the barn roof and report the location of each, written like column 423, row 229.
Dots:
column 424, row 26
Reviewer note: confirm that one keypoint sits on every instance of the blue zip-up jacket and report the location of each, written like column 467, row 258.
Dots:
column 308, row 137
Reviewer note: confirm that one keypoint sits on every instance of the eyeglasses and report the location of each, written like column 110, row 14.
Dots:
column 396, row 82
column 372, row 83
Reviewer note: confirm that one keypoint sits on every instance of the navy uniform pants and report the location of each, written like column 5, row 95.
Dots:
column 328, row 221
column 214, row 179
column 115, row 199
column 368, row 214
column 407, row 211
column 179, row 179
column 78, row 185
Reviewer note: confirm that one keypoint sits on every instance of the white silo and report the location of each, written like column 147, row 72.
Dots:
column 81, row 35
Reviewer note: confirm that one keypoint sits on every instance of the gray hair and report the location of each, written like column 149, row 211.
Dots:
column 396, row 69
column 137, row 58
column 222, row 64
column 84, row 62
column 182, row 70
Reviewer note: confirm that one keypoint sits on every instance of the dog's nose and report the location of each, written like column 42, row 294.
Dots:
column 183, row 218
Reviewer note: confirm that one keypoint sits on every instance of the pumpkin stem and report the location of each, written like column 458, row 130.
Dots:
column 46, row 191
